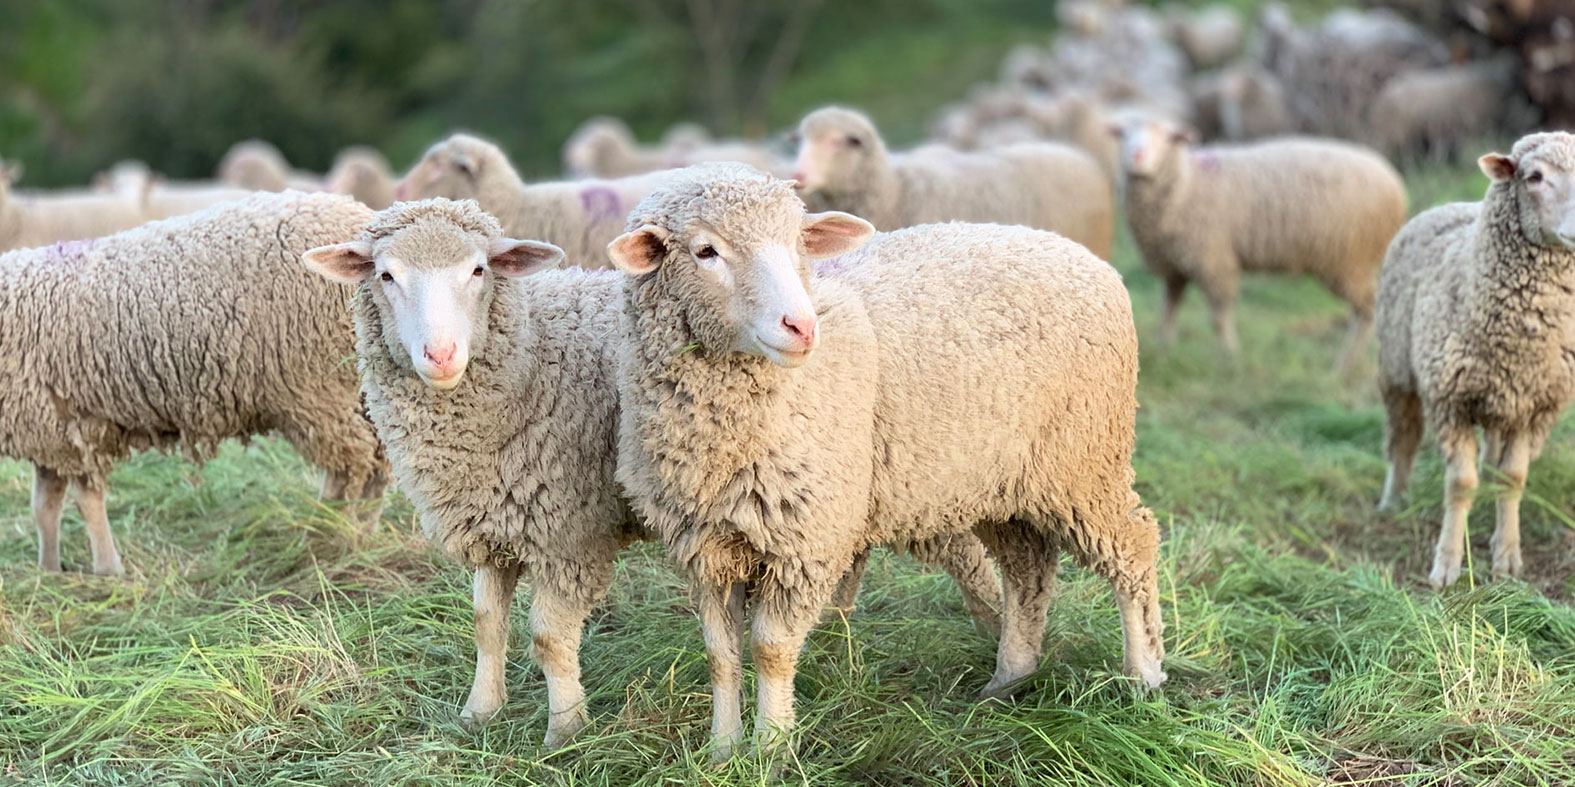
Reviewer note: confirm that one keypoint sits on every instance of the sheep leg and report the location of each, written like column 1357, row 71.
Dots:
column 1028, row 563
column 492, row 594
column 721, row 609
column 1357, row 336
column 371, row 507
column 1513, row 460
column 1460, row 486
column 557, row 619
column 335, row 482
column 780, row 627
column 968, row 564
column 1175, row 288
column 90, row 492
column 846, row 595
column 1222, row 308
column 49, row 494
column 1402, row 436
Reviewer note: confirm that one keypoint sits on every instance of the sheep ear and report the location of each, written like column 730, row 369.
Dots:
column 834, row 233
column 466, row 163
column 1497, row 166
column 639, row 252
column 516, row 258
column 346, row 263
column 1115, row 130
column 11, row 171
column 1184, row 136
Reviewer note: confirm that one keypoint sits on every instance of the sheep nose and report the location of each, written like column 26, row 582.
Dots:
column 440, row 356
column 798, row 175
column 401, row 192
column 800, row 328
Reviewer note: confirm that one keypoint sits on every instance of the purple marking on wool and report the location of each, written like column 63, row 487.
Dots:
column 829, row 268
column 601, row 203
column 64, row 250
column 1206, row 161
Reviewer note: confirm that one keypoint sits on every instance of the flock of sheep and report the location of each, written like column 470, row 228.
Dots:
column 767, row 364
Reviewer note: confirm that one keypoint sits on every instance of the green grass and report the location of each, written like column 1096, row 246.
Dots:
column 256, row 641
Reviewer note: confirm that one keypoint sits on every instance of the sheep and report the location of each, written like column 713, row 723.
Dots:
column 1438, row 111
column 176, row 336
column 363, row 173
column 160, row 198
column 604, row 147
column 579, row 217
column 40, row 218
column 767, row 435
column 1292, row 205
column 256, row 165
column 843, row 165
column 1252, row 104
column 1476, row 319
column 1209, row 36
column 501, row 424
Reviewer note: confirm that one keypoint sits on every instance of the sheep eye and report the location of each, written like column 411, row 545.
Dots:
column 387, row 276
column 1534, row 177
column 854, row 141
column 705, row 252
column 478, row 271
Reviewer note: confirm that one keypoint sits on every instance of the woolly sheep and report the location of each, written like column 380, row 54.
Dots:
column 1293, row 205
column 363, row 173
column 160, row 198
column 843, row 165
column 1209, row 36
column 1436, row 112
column 604, row 147
column 495, row 396
column 39, row 218
column 176, row 336
column 579, row 216
column 1475, row 317
column 767, row 435
column 259, row 166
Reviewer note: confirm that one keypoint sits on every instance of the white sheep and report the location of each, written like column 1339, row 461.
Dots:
column 363, row 173
column 767, row 434
column 1292, row 205
column 39, row 218
column 496, row 398
column 176, row 336
column 160, row 198
column 1476, row 324
column 259, row 166
column 579, row 216
column 843, row 165
column 1209, row 36
column 1436, row 112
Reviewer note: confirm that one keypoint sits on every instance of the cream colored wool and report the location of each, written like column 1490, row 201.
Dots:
column 176, row 336
column 1042, row 185
column 1476, row 319
column 160, row 198
column 1205, row 215
column 363, row 173
column 259, row 166
column 580, row 217
column 1016, row 426
column 29, row 219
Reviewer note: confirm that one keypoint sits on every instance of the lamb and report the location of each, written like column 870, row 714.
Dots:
column 363, row 173
column 1476, row 320
column 160, row 198
column 1293, row 205
column 579, row 217
column 843, row 165
column 768, row 435
column 256, row 165
column 177, row 336
column 501, row 422
column 30, row 219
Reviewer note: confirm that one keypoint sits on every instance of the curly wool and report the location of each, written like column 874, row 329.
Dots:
column 181, row 334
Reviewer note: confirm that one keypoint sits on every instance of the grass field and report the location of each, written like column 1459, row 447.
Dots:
column 254, row 641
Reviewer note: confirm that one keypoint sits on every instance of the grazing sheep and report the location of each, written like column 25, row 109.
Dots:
column 843, row 165
column 40, row 218
column 176, row 336
column 768, row 435
column 1437, row 112
column 496, row 398
column 363, row 173
column 579, row 216
column 1476, row 318
column 256, row 165
column 160, row 198
column 1311, row 206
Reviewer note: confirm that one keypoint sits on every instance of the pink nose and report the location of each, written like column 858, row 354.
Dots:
column 401, row 192
column 441, row 356
column 801, row 328
column 798, row 175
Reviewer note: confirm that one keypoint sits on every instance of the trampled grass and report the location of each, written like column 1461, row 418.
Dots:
column 256, row 640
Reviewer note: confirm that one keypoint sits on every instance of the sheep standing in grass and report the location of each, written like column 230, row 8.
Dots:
column 1476, row 325
column 579, row 216
column 843, row 165
column 496, row 397
column 176, row 336
column 942, row 380
column 1205, row 215
column 30, row 219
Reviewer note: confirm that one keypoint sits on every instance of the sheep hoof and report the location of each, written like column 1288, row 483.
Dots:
column 1001, row 689
column 1389, row 505
column 1507, row 565
column 722, row 750
column 475, row 716
column 113, row 568
column 560, row 733
column 1445, row 572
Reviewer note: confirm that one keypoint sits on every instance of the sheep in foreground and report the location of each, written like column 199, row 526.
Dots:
column 1476, row 318
column 176, row 336
column 580, row 216
column 843, row 165
column 29, row 219
column 259, row 166
column 767, row 435
column 363, row 173
column 496, row 398
column 1311, row 206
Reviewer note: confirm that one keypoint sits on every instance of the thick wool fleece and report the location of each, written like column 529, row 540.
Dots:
column 1311, row 206
column 515, row 466
column 180, row 334
column 581, row 217
column 1042, row 185
column 29, row 220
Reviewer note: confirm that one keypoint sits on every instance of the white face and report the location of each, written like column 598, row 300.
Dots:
column 440, row 173
column 435, row 311
column 1146, row 146
column 821, row 156
column 1551, row 194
